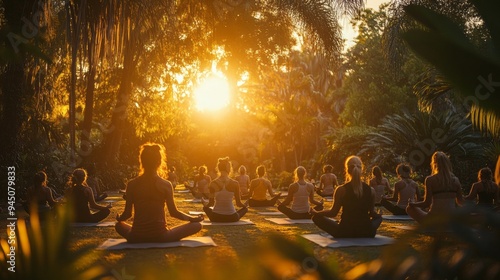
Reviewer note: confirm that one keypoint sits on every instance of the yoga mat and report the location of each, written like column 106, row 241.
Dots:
column 397, row 217
column 287, row 221
column 101, row 224
column 331, row 242
column 182, row 191
column 194, row 200
column 119, row 244
column 406, row 227
column 272, row 213
column 238, row 223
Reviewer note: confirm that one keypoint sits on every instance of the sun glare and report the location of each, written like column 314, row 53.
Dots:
column 212, row 94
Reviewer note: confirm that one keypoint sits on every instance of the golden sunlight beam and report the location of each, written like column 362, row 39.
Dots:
column 212, row 94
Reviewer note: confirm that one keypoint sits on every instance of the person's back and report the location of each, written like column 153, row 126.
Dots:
column 487, row 195
column 202, row 183
column 243, row 181
column 149, row 207
column 300, row 202
column 78, row 197
column 407, row 193
column 380, row 186
column 328, row 181
column 224, row 201
column 443, row 195
column 355, row 218
column 260, row 190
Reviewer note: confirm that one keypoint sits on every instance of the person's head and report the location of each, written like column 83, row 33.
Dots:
column 441, row 166
column 202, row 170
column 40, row 179
column 79, row 176
column 152, row 158
column 261, row 170
column 299, row 173
column 377, row 172
column 403, row 171
column 485, row 174
column 327, row 168
column 224, row 165
column 242, row 170
column 353, row 168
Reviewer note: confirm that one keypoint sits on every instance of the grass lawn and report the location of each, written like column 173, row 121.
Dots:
column 240, row 249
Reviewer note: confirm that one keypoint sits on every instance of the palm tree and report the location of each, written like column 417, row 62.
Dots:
column 414, row 138
column 461, row 40
column 317, row 17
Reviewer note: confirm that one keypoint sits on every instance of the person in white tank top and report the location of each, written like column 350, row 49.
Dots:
column 301, row 195
column 222, row 191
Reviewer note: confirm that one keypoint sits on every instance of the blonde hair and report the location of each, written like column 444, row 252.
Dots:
column 242, row 170
column 152, row 156
column 224, row 164
column 353, row 173
column 299, row 173
column 441, row 166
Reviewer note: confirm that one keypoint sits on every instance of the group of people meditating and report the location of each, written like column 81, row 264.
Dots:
column 149, row 192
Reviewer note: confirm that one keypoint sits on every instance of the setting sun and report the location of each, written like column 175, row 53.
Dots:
column 212, row 94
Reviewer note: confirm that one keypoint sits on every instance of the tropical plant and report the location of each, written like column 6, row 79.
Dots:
column 461, row 40
column 370, row 88
column 41, row 251
column 462, row 247
column 415, row 137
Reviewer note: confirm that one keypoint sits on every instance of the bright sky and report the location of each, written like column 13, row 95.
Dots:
column 348, row 32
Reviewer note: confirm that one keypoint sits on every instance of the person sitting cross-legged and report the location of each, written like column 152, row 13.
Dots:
column 259, row 187
column 147, row 195
column 222, row 192
column 356, row 200
column 404, row 191
column 300, row 194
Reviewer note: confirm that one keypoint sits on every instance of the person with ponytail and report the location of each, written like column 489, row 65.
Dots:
column 404, row 190
column 356, row 200
column 380, row 184
column 82, row 199
column 147, row 195
column 259, row 187
column 222, row 192
column 41, row 196
column 442, row 191
column 300, row 194
column 485, row 192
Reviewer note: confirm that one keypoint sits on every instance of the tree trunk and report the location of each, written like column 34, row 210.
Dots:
column 115, row 130
column 86, row 144
column 13, row 81
column 13, row 87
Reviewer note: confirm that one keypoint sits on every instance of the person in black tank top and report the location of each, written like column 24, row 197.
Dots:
column 147, row 195
column 485, row 192
column 443, row 191
column 82, row 199
column 356, row 199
